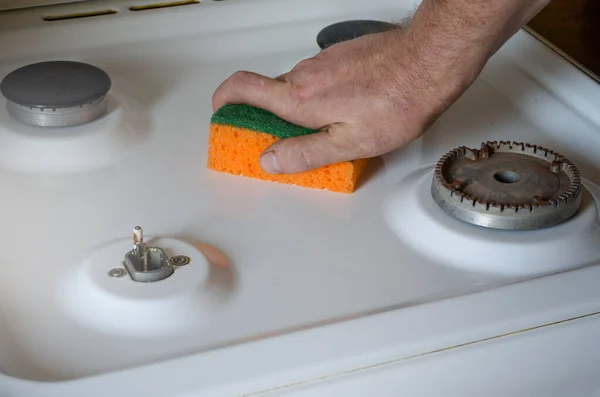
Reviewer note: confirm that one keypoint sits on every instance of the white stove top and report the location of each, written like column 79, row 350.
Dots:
column 318, row 283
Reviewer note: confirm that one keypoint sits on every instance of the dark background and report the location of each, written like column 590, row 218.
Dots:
column 574, row 27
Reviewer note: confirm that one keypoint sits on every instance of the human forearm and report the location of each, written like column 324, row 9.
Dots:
column 448, row 42
column 472, row 30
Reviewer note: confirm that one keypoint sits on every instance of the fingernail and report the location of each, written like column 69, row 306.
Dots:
column 269, row 163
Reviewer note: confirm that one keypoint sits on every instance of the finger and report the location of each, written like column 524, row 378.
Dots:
column 304, row 153
column 252, row 89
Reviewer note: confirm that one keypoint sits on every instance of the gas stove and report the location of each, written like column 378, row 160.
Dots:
column 129, row 268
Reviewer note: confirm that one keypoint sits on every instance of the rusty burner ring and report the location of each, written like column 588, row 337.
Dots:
column 507, row 185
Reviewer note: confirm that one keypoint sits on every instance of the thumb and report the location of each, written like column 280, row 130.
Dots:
column 334, row 144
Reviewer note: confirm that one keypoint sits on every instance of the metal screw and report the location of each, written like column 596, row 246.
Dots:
column 117, row 272
column 180, row 260
column 138, row 235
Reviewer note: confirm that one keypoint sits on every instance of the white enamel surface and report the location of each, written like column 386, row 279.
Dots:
column 123, row 307
column 470, row 247
column 310, row 269
column 508, row 366
column 86, row 148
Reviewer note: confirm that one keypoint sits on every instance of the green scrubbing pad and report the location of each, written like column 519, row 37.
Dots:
column 255, row 119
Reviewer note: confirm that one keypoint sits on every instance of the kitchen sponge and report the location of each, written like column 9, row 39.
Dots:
column 240, row 133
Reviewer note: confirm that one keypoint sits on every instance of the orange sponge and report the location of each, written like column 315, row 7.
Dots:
column 240, row 133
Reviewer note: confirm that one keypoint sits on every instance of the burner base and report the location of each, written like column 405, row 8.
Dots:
column 507, row 185
column 65, row 117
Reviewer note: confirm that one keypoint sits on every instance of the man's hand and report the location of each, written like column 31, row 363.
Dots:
column 367, row 95
column 377, row 93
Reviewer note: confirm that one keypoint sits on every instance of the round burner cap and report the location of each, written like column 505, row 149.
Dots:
column 348, row 30
column 507, row 185
column 55, row 84
column 56, row 93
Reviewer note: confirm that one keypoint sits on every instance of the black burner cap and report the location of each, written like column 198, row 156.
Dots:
column 55, row 84
column 349, row 30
